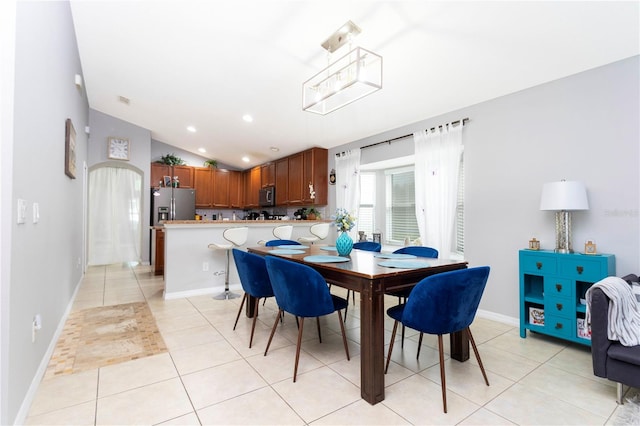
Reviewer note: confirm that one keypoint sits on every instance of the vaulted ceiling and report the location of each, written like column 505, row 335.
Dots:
column 207, row 63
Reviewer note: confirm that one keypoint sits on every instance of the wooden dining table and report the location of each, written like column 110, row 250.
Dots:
column 363, row 272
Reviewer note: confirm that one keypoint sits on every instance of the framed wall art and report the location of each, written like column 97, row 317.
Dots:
column 70, row 149
column 118, row 149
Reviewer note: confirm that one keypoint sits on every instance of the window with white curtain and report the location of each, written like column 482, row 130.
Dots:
column 366, row 213
column 400, row 206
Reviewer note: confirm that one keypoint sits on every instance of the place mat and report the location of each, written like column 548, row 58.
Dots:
column 404, row 264
column 328, row 248
column 286, row 251
column 293, row 246
column 106, row 335
column 320, row 258
column 394, row 256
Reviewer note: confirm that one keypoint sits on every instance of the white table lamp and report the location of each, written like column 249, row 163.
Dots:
column 564, row 197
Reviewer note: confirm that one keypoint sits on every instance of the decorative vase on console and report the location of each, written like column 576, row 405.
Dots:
column 344, row 222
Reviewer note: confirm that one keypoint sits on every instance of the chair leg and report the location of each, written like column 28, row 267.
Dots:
column 393, row 337
column 419, row 345
column 255, row 317
column 475, row 350
column 226, row 294
column 244, row 297
column 273, row 330
column 319, row 334
column 442, row 379
column 344, row 336
column 295, row 367
column 402, row 339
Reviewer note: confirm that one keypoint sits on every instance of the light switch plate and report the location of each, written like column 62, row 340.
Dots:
column 22, row 211
column 36, row 212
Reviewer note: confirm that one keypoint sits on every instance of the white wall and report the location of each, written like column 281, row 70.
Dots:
column 583, row 127
column 44, row 269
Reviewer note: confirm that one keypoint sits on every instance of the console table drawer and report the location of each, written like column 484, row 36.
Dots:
column 538, row 264
column 554, row 286
column 559, row 326
column 582, row 269
column 560, row 307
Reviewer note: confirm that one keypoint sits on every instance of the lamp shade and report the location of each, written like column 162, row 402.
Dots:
column 564, row 195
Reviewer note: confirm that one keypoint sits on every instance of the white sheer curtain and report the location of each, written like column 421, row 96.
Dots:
column 348, row 182
column 115, row 229
column 437, row 163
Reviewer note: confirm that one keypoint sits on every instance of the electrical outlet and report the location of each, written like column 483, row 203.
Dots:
column 205, row 266
column 36, row 326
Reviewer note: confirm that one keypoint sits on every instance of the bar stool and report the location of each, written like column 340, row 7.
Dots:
column 235, row 238
column 282, row 232
column 319, row 231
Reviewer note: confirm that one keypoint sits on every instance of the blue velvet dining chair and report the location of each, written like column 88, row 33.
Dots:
column 301, row 291
column 275, row 243
column 442, row 304
column 420, row 251
column 255, row 281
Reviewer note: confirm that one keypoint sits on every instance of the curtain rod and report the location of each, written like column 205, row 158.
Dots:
column 464, row 120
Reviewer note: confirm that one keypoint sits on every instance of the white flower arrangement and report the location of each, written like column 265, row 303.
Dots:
column 344, row 220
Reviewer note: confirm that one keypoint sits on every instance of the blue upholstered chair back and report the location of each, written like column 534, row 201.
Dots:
column 368, row 246
column 447, row 302
column 274, row 243
column 252, row 270
column 299, row 289
column 420, row 251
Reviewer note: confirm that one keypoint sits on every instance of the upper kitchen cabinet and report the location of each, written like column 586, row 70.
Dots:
column 203, row 184
column 315, row 164
column 221, row 188
column 282, row 182
column 253, row 183
column 295, row 180
column 185, row 174
column 236, row 190
column 268, row 174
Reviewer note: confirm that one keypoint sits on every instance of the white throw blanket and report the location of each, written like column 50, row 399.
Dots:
column 624, row 311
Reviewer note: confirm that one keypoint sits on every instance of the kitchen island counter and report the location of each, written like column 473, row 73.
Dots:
column 191, row 268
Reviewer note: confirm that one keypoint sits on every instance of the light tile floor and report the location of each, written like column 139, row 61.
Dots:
column 210, row 376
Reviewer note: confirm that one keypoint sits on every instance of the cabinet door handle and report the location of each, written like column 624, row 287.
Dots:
column 539, row 265
column 558, row 326
column 580, row 269
column 559, row 287
column 559, row 306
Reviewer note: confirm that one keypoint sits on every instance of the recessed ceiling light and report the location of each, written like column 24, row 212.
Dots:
column 245, row 159
column 191, row 129
column 202, row 150
column 247, row 118
column 274, row 149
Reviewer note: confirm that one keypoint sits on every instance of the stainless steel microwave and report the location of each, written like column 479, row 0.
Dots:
column 267, row 196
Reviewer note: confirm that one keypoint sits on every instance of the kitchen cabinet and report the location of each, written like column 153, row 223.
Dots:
column 220, row 196
column 296, row 179
column 158, row 267
column 236, row 190
column 185, row 174
column 253, row 183
column 308, row 167
column 282, row 181
column 203, row 184
column 267, row 174
column 552, row 291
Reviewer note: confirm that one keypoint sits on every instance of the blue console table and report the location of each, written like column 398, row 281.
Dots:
column 551, row 288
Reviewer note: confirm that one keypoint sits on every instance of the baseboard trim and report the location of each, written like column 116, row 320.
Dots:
column 499, row 318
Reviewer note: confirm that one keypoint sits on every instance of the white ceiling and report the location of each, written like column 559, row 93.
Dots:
column 207, row 63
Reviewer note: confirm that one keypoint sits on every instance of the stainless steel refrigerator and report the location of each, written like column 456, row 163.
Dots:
column 172, row 204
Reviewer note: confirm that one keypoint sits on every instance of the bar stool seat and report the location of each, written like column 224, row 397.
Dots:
column 235, row 237
column 282, row 232
column 319, row 231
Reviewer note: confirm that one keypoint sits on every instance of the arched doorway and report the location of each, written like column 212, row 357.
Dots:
column 115, row 214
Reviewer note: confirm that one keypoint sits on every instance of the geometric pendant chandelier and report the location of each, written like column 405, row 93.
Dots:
column 352, row 77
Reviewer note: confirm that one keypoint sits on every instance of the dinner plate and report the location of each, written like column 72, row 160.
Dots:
column 320, row 258
column 403, row 264
column 328, row 248
column 293, row 246
column 286, row 251
column 394, row 256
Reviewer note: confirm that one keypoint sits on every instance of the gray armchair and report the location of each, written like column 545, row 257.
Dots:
column 612, row 360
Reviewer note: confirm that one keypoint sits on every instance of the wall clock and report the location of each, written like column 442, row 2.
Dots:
column 118, row 149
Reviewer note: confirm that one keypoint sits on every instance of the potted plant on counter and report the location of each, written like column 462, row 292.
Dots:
column 313, row 214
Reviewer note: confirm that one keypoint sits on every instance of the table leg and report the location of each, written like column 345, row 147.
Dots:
column 371, row 345
column 459, row 346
